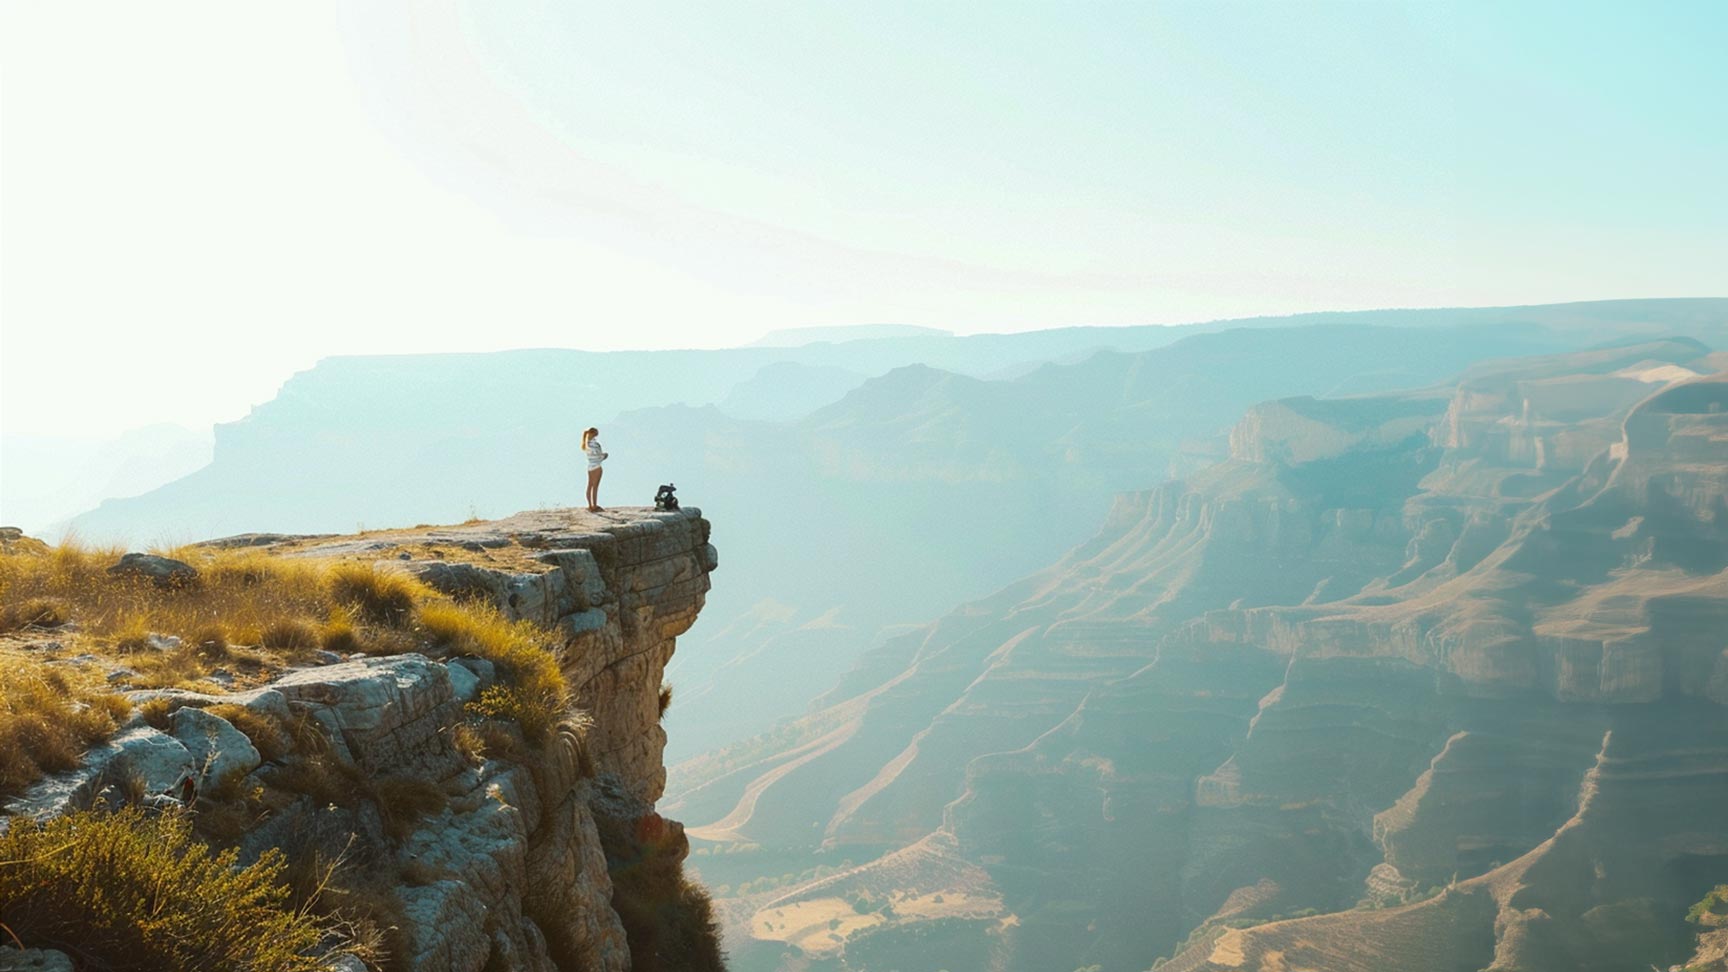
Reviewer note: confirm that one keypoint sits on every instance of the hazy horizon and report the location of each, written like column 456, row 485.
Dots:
column 792, row 335
column 204, row 218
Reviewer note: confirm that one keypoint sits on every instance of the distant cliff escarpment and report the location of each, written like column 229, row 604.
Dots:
column 990, row 455
column 1427, row 681
column 443, row 745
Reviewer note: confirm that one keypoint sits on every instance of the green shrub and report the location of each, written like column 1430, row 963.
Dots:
column 139, row 892
column 511, row 704
column 1717, row 897
column 668, row 920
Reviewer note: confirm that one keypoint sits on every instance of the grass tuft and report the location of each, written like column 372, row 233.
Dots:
column 338, row 634
column 46, row 724
column 267, row 733
column 155, row 713
column 531, row 690
column 404, row 801
column 290, row 635
column 377, row 595
column 37, row 612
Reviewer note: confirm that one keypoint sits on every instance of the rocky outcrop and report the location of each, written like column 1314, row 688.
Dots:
column 497, row 864
column 164, row 572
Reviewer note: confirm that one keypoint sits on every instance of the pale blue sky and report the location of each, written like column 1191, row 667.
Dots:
column 208, row 196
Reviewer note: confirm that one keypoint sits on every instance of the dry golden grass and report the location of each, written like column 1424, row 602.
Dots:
column 403, row 801
column 47, row 720
column 251, row 615
column 267, row 733
column 360, row 903
column 242, row 595
column 532, row 691
column 379, row 596
column 250, row 609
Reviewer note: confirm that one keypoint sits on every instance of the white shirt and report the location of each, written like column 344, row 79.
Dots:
column 595, row 455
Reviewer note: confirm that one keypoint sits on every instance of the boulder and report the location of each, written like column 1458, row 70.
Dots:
column 464, row 684
column 13, row 541
column 264, row 701
column 34, row 960
column 158, row 761
column 165, row 572
column 483, row 670
column 218, row 749
column 389, row 713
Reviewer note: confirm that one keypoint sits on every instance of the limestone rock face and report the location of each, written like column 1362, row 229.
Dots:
column 387, row 714
column 158, row 762
column 620, row 594
column 218, row 749
column 512, row 872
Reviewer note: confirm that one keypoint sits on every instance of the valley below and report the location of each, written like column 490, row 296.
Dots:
column 1423, row 680
column 1341, row 642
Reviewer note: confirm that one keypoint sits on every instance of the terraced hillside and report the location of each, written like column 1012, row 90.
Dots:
column 1429, row 680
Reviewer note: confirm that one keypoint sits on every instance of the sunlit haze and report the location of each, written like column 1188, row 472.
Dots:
column 202, row 198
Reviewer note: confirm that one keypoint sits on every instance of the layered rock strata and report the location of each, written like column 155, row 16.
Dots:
column 1444, row 668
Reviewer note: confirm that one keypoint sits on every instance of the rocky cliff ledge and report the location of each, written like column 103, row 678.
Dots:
column 617, row 587
column 481, row 857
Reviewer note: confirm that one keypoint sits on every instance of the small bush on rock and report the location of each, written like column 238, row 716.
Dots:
column 267, row 733
column 404, row 801
column 533, row 694
column 668, row 920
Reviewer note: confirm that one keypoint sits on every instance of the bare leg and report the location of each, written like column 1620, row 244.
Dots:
column 597, row 507
column 593, row 490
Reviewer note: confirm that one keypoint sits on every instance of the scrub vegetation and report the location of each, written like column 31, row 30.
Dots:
column 137, row 891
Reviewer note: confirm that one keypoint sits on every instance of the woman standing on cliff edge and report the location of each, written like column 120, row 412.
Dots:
column 596, row 456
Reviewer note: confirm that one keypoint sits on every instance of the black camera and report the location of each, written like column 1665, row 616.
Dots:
column 664, row 501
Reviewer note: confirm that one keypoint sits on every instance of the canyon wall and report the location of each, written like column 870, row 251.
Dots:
column 1426, row 681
